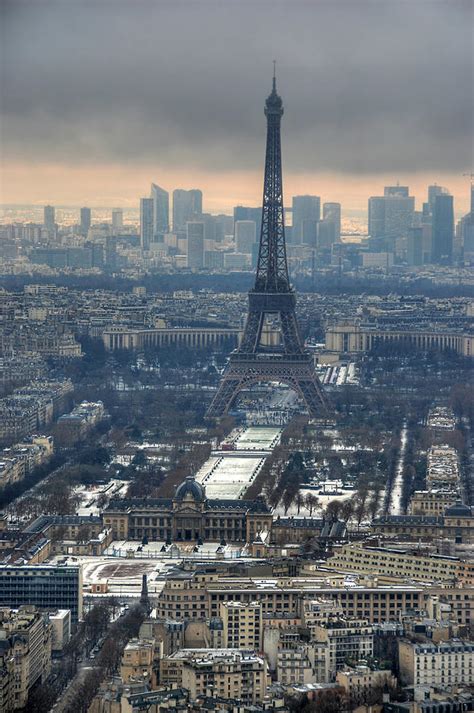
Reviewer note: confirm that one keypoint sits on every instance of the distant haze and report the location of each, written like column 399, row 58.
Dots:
column 99, row 98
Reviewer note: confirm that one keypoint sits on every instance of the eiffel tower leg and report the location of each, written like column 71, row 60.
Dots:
column 312, row 394
column 225, row 395
column 252, row 332
column 291, row 334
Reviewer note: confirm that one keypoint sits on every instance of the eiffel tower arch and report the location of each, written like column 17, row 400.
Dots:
column 271, row 297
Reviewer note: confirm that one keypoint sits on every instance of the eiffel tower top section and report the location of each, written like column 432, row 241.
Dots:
column 272, row 268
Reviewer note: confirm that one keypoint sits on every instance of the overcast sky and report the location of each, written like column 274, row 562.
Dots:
column 101, row 97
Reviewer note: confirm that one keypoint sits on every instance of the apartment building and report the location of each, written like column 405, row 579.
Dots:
column 431, row 502
column 138, row 661
column 443, row 664
column 401, row 563
column 344, row 640
column 242, row 625
column 25, row 637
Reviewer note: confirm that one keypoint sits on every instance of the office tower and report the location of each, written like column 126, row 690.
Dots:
column 306, row 215
column 85, row 221
column 242, row 212
column 161, row 210
column 415, row 247
column 146, row 222
column 209, row 225
column 434, row 191
column 186, row 205
column 117, row 220
column 391, row 215
column 49, row 220
column 326, row 234
column 44, row 586
column 245, row 236
column 332, row 213
column 443, row 230
column 376, row 216
column 401, row 191
column 195, row 239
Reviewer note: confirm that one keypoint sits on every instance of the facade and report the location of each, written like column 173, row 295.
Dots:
column 306, row 216
column 195, row 338
column 61, row 629
column 49, row 220
column 230, row 674
column 25, row 639
column 44, row 586
column 356, row 337
column 117, row 220
column 443, row 230
column 332, row 214
column 138, row 662
column 344, row 640
column 189, row 516
column 285, row 596
column 457, row 524
column 360, row 681
column 186, row 205
column 146, row 223
column 195, row 244
column 431, row 502
column 245, row 236
column 161, row 210
column 401, row 563
column 444, row 664
column 391, row 215
column 242, row 625
column 85, row 219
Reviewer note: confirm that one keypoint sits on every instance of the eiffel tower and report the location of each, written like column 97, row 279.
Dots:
column 272, row 298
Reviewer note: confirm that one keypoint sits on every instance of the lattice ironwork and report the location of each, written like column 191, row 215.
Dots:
column 272, row 295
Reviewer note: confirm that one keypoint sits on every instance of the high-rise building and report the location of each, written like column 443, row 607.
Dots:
column 186, row 205
column 332, row 214
column 245, row 236
column 326, row 233
column 117, row 220
column 442, row 230
column 85, row 221
column 161, row 210
column 195, row 240
column 391, row 215
column 434, row 191
column 49, row 219
column 402, row 191
column 415, row 247
column 306, row 216
column 146, row 222
column 242, row 212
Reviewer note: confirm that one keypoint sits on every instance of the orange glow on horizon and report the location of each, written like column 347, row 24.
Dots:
column 121, row 185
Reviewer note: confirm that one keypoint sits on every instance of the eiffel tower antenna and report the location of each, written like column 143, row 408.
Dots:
column 272, row 294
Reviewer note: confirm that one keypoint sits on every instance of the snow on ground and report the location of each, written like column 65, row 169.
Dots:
column 227, row 474
column 323, row 500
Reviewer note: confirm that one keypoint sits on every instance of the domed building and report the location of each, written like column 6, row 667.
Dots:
column 188, row 516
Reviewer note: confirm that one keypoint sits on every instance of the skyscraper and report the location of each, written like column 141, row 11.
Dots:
column 443, row 230
column 161, row 210
column 306, row 216
column 434, row 191
column 391, row 215
column 195, row 238
column 49, row 219
column 85, row 221
column 243, row 212
column 146, row 222
column 245, row 236
column 186, row 205
column 332, row 214
column 117, row 220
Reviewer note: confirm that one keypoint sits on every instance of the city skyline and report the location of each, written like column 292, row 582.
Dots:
column 392, row 115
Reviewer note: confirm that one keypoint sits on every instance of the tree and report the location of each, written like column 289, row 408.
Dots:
column 299, row 501
column 311, row 502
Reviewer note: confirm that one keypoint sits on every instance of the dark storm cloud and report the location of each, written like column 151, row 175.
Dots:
column 367, row 86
